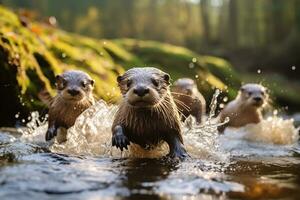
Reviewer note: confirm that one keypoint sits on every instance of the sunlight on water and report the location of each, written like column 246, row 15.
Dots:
column 35, row 129
column 273, row 130
column 88, row 153
column 91, row 135
column 273, row 136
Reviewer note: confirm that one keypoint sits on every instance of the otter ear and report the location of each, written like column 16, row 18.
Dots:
column 119, row 78
column 167, row 78
column 92, row 82
column 242, row 89
column 60, row 82
column 58, row 78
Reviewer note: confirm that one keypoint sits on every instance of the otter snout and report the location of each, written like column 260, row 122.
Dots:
column 257, row 99
column 73, row 92
column 141, row 91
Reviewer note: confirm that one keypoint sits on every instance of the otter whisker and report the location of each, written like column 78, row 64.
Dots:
column 165, row 106
column 182, row 94
column 163, row 111
column 182, row 104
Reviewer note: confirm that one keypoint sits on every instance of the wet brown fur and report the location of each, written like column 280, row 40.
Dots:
column 188, row 99
column 149, row 126
column 240, row 112
column 63, row 112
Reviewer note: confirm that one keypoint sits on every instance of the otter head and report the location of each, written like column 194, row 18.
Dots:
column 185, row 86
column 74, row 85
column 144, row 87
column 253, row 94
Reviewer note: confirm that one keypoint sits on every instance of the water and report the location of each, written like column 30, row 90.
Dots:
column 255, row 162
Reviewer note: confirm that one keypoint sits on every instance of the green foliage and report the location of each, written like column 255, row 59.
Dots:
column 179, row 62
column 32, row 53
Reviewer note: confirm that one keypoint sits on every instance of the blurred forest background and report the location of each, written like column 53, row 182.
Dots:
column 252, row 34
column 227, row 42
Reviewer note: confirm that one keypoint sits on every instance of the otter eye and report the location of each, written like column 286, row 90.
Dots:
column 262, row 93
column 129, row 82
column 64, row 82
column 83, row 84
column 249, row 93
column 154, row 82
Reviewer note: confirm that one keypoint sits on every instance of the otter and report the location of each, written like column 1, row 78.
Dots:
column 246, row 107
column 188, row 99
column 147, row 114
column 74, row 95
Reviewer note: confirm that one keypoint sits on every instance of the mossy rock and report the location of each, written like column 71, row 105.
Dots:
column 210, row 72
column 32, row 53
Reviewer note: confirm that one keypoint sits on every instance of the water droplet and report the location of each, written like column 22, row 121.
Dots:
column 221, row 105
column 293, row 68
column 196, row 76
column 225, row 99
column 191, row 65
column 286, row 108
column 258, row 71
column 63, row 55
column 52, row 20
column 275, row 112
column 17, row 115
column 194, row 60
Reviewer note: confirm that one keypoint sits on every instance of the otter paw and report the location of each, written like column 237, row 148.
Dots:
column 51, row 133
column 179, row 153
column 120, row 141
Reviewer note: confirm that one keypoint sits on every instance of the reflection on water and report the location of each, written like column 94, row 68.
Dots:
column 255, row 162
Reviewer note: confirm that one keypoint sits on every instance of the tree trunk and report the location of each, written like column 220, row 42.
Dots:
column 204, row 7
column 233, row 24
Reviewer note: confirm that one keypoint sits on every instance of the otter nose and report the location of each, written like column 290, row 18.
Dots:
column 73, row 92
column 141, row 91
column 257, row 99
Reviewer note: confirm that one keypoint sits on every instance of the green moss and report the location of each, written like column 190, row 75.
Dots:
column 210, row 72
column 33, row 53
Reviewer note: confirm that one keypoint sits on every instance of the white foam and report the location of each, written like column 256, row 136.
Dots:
column 91, row 135
column 273, row 136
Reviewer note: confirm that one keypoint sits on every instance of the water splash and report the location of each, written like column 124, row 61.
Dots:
column 91, row 135
column 35, row 129
column 273, row 136
column 273, row 130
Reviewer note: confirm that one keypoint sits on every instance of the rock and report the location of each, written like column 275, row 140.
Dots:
column 32, row 53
